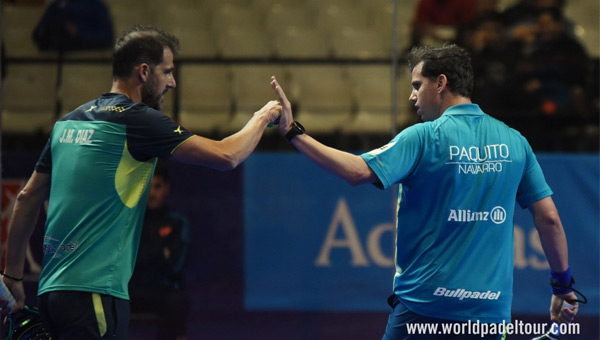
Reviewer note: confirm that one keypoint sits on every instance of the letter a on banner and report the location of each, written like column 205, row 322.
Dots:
column 342, row 218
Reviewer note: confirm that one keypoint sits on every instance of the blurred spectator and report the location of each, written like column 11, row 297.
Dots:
column 550, row 78
column 521, row 11
column 74, row 25
column 559, row 63
column 493, row 63
column 438, row 21
column 158, row 281
column 521, row 19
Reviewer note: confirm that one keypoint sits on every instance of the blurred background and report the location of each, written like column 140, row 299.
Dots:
column 342, row 65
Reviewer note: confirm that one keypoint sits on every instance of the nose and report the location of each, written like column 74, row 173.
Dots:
column 413, row 97
column 172, row 83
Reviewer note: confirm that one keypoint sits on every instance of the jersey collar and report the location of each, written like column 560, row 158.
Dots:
column 464, row 109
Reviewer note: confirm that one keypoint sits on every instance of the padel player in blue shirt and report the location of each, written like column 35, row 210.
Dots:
column 460, row 174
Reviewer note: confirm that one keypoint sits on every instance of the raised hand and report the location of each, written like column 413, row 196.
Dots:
column 286, row 114
column 272, row 110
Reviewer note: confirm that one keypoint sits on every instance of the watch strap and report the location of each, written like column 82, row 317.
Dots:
column 296, row 129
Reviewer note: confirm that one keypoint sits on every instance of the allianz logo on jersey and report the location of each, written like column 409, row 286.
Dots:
column 496, row 215
column 473, row 160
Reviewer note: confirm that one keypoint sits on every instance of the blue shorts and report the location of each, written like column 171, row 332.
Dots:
column 403, row 324
column 73, row 315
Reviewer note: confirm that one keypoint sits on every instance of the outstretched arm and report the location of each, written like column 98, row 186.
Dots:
column 230, row 152
column 554, row 243
column 22, row 223
column 350, row 167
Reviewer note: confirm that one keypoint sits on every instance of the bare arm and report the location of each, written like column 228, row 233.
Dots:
column 552, row 234
column 345, row 165
column 230, row 152
column 22, row 223
column 554, row 243
column 350, row 167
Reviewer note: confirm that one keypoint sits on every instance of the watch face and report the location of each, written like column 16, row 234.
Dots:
column 299, row 126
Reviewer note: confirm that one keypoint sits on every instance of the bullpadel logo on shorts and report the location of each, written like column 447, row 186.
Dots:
column 462, row 294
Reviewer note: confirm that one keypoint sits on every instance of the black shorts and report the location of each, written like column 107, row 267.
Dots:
column 403, row 324
column 73, row 315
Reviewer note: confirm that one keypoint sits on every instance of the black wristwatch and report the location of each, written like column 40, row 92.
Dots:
column 297, row 129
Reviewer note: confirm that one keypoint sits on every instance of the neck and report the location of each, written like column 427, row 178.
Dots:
column 452, row 100
column 128, row 87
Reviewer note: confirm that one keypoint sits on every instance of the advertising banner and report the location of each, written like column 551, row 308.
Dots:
column 314, row 242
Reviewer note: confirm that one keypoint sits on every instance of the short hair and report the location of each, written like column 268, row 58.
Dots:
column 141, row 44
column 554, row 12
column 451, row 60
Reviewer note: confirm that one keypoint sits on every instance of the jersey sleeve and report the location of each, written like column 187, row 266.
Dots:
column 533, row 186
column 150, row 133
column 44, row 163
column 396, row 160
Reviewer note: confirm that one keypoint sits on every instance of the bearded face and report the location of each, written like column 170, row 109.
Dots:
column 159, row 81
column 152, row 95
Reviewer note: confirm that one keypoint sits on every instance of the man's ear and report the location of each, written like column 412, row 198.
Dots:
column 143, row 72
column 442, row 82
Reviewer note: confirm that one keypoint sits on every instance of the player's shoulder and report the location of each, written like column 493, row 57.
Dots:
column 112, row 107
column 503, row 127
column 511, row 136
column 124, row 110
column 416, row 133
column 418, row 128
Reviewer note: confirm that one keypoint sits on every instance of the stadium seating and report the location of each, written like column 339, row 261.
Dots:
column 83, row 82
column 207, row 97
column 251, row 90
column 228, row 48
column 18, row 23
column 28, row 98
column 363, row 43
column 322, row 96
column 299, row 42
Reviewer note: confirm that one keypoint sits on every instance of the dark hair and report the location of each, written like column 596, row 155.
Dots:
column 141, row 44
column 451, row 60
column 554, row 12
column 494, row 17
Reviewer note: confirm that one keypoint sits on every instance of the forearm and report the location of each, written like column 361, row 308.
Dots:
column 225, row 154
column 554, row 243
column 552, row 234
column 230, row 152
column 20, row 229
column 351, row 168
column 345, row 165
column 23, row 221
column 239, row 146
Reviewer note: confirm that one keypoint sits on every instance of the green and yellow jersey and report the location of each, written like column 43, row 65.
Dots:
column 101, row 158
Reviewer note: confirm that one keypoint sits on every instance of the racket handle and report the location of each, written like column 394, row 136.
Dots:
column 554, row 332
column 5, row 294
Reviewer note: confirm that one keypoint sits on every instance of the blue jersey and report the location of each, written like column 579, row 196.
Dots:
column 459, row 177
